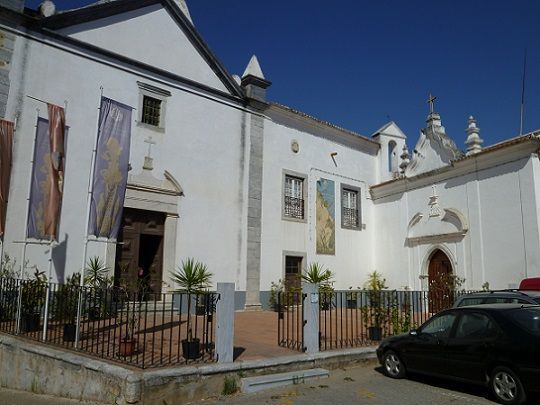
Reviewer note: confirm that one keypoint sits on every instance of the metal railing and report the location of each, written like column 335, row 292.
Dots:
column 359, row 318
column 140, row 329
column 291, row 320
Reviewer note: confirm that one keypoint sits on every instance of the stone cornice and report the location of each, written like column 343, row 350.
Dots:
column 496, row 155
column 289, row 117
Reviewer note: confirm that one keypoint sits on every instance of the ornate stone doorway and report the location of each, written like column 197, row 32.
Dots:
column 440, row 295
column 140, row 251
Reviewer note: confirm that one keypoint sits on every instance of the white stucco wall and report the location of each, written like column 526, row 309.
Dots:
column 203, row 147
column 354, row 248
column 151, row 36
column 501, row 208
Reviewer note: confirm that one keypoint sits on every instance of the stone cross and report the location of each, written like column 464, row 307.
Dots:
column 150, row 143
column 431, row 101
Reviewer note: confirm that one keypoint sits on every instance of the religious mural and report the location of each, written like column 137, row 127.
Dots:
column 326, row 223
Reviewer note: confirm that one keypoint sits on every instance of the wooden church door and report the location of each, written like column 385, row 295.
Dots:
column 139, row 255
column 439, row 275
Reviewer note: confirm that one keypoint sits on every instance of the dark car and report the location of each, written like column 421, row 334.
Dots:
column 497, row 345
column 498, row 297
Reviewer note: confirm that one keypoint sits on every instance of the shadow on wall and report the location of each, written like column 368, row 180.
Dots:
column 59, row 259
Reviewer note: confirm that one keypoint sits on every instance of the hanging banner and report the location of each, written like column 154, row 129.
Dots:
column 110, row 169
column 57, row 124
column 326, row 224
column 43, row 174
column 6, row 143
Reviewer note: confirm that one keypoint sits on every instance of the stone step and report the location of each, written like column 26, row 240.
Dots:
column 263, row 382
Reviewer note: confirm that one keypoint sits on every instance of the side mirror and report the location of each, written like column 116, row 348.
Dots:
column 413, row 332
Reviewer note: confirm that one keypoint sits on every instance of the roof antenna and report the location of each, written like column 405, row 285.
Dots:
column 522, row 112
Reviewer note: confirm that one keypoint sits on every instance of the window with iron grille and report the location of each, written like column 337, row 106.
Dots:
column 151, row 111
column 294, row 197
column 350, row 217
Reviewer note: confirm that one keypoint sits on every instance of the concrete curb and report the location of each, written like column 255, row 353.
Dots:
column 30, row 366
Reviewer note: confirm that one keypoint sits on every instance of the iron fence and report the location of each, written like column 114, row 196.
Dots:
column 358, row 318
column 140, row 329
column 291, row 319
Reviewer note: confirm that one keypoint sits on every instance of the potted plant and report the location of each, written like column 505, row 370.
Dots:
column 32, row 299
column 96, row 276
column 276, row 288
column 376, row 313
column 192, row 277
column 65, row 305
column 133, row 291
column 317, row 274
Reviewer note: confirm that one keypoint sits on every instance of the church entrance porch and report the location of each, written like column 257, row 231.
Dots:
column 139, row 254
column 440, row 279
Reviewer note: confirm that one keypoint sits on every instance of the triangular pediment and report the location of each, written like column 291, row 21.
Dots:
column 154, row 33
column 390, row 129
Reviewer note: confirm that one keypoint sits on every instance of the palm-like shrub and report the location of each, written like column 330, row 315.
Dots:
column 316, row 273
column 192, row 277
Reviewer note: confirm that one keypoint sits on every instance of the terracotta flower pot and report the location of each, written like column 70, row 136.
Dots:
column 127, row 347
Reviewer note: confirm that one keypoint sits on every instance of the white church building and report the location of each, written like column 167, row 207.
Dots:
column 252, row 188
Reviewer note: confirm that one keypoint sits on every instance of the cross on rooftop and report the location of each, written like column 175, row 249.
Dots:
column 431, row 101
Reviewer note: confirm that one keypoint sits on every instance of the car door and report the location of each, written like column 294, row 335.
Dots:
column 425, row 351
column 469, row 346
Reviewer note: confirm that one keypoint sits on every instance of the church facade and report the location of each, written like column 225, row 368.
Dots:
column 254, row 189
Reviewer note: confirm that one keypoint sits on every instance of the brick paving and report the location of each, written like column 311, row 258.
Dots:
column 256, row 336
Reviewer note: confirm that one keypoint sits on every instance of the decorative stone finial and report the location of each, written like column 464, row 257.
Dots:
column 253, row 69
column 474, row 142
column 404, row 159
column 183, row 6
column 253, row 80
column 47, row 8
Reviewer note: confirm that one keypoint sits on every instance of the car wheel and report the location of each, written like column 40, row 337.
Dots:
column 393, row 366
column 506, row 386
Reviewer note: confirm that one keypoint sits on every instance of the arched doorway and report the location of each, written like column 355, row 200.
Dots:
column 441, row 294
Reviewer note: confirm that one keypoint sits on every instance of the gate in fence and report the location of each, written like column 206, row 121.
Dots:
column 355, row 318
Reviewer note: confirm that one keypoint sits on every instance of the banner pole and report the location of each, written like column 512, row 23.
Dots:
column 25, row 229
column 87, row 226
column 48, row 293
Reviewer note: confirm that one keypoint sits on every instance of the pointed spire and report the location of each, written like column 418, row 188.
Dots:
column 183, row 6
column 253, row 69
column 404, row 159
column 474, row 142
column 253, row 80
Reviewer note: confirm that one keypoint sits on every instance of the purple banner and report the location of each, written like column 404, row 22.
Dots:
column 41, row 178
column 111, row 169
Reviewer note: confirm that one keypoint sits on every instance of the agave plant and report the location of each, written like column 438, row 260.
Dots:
column 96, row 273
column 192, row 277
column 317, row 274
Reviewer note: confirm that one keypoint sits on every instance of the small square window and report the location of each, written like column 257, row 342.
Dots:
column 350, row 213
column 151, row 111
column 293, row 197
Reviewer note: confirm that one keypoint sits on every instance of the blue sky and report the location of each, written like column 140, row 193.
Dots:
column 360, row 63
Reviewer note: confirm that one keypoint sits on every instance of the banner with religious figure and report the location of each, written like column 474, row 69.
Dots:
column 57, row 127
column 110, row 169
column 326, row 223
column 41, row 177
column 6, row 142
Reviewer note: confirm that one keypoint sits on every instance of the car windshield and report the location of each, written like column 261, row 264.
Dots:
column 528, row 318
column 537, row 299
